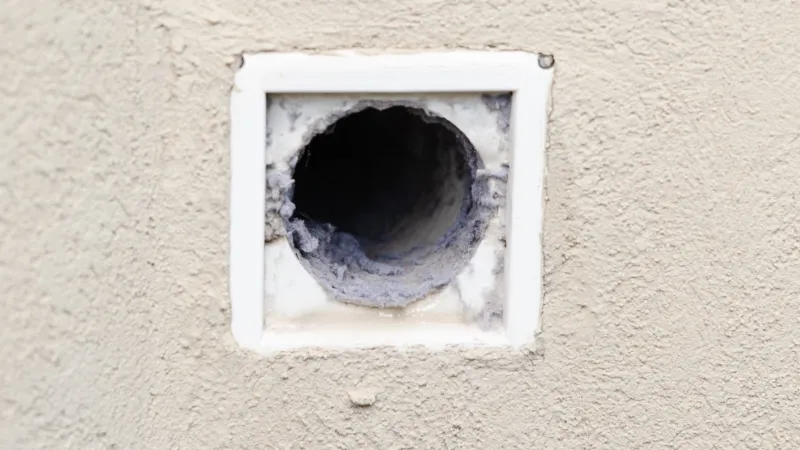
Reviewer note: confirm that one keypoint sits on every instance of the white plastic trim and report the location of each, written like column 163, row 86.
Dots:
column 460, row 71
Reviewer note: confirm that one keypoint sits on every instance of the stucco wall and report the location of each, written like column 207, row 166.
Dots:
column 672, row 302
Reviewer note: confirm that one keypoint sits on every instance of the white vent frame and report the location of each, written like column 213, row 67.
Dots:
column 434, row 72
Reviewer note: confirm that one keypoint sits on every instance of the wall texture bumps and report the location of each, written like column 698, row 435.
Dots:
column 672, row 240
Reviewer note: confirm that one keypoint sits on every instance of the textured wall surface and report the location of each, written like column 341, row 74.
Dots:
column 672, row 308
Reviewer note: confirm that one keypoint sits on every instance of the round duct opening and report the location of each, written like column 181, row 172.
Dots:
column 387, row 205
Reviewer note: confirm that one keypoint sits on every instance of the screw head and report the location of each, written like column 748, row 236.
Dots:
column 546, row 61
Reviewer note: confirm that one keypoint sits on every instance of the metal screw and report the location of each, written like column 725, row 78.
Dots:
column 546, row 61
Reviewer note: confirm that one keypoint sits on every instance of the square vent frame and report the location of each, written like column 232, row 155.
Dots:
column 519, row 73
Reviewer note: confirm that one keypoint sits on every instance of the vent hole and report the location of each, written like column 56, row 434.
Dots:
column 385, row 205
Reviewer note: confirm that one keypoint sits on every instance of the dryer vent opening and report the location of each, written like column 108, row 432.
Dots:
column 387, row 205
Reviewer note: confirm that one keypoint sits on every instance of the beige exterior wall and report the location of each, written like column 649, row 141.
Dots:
column 672, row 234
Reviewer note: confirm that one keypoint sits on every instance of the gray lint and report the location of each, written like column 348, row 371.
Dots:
column 500, row 103
column 386, row 205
